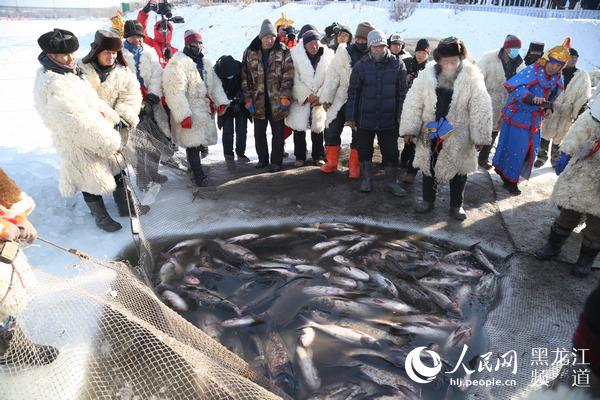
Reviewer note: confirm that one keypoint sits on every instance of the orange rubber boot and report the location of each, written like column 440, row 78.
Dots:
column 332, row 153
column 354, row 165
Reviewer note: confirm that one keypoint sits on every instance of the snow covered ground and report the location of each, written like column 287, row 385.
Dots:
column 26, row 151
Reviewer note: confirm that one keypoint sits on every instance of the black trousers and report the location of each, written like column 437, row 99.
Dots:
column 277, row 141
column 88, row 197
column 194, row 159
column 457, row 183
column 388, row 145
column 318, row 152
column 333, row 133
column 407, row 157
column 484, row 154
column 238, row 124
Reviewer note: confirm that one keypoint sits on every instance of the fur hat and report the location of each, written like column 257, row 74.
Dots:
column 267, row 29
column 133, row 28
column 58, row 41
column 450, row 47
column 363, row 29
column 105, row 40
column 422, row 45
column 573, row 52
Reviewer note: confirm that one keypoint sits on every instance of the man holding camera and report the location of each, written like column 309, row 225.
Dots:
column 163, row 30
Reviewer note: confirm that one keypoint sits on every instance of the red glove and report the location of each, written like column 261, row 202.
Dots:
column 221, row 109
column 163, row 100
column 211, row 105
column 144, row 91
column 187, row 123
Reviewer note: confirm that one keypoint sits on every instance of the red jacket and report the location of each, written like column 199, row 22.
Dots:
column 158, row 41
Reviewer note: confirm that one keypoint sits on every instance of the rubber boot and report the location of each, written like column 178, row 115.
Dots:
column 458, row 213
column 391, row 182
column 583, row 266
column 424, row 207
column 354, row 165
column 17, row 350
column 103, row 220
column 199, row 176
column 366, row 173
column 120, row 196
column 332, row 153
column 555, row 242
column 542, row 155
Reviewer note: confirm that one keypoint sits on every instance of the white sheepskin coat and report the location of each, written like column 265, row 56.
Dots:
column 335, row 88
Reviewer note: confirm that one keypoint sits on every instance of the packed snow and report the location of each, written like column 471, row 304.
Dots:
column 26, row 151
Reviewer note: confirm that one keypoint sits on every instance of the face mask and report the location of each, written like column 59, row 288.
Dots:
column 513, row 53
column 362, row 47
column 195, row 51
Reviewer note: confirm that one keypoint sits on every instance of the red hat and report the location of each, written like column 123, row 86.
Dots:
column 192, row 36
column 512, row 41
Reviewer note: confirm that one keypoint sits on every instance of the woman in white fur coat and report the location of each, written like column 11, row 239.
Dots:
column 577, row 190
column 311, row 60
column 17, row 280
column 448, row 112
column 567, row 107
column 81, row 124
column 497, row 67
column 193, row 92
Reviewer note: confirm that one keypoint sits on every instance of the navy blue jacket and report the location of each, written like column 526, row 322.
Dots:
column 376, row 93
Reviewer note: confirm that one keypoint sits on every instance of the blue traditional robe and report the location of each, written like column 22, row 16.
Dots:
column 520, row 132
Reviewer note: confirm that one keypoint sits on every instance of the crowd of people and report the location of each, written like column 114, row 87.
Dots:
column 444, row 114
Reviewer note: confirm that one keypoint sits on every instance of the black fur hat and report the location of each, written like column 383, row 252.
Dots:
column 450, row 47
column 133, row 27
column 105, row 40
column 58, row 41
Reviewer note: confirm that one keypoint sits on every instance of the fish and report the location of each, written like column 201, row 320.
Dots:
column 335, row 226
column 288, row 273
column 174, row 300
column 346, row 335
column 412, row 294
column 325, row 245
column 458, row 337
column 236, row 252
column 288, row 260
column 457, row 270
column 308, row 230
column 353, row 273
column 211, row 325
column 304, row 359
column 386, row 378
column 400, row 244
column 384, row 283
column 333, row 252
column 171, row 271
column 484, row 261
column 443, row 301
column 307, row 336
column 209, row 299
column 324, row 291
column 273, row 239
column 340, row 259
column 394, row 358
column 422, row 330
column 309, row 269
column 387, row 304
column 441, row 282
column 486, row 287
column 457, row 256
column 233, row 343
column 342, row 306
column 359, row 247
column 429, row 320
column 247, row 320
column 243, row 238
column 354, row 237
column 198, row 242
column 279, row 367
column 343, row 281
column 340, row 391
column 271, row 264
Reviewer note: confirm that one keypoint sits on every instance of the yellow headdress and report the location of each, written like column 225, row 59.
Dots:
column 118, row 23
column 558, row 54
column 283, row 21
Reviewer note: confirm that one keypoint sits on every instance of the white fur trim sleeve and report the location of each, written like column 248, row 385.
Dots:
column 480, row 111
column 175, row 84
column 411, row 121
column 215, row 86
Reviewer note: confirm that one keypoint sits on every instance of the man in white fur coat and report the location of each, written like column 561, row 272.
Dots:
column 194, row 94
column 577, row 190
column 311, row 60
column 334, row 96
column 81, row 124
column 498, row 67
column 567, row 107
column 107, row 72
column 448, row 113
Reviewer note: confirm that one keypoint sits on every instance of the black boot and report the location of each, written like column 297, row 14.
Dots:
column 424, row 207
column 366, row 175
column 120, row 196
column 587, row 254
column 554, row 155
column 391, row 182
column 458, row 213
column 103, row 220
column 17, row 350
column 542, row 155
column 552, row 247
column 193, row 157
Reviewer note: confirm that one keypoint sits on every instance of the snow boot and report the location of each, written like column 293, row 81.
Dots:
column 354, row 165
column 391, row 182
column 583, row 266
column 458, row 213
column 121, row 198
column 333, row 158
column 103, row 220
column 424, row 207
column 551, row 249
column 17, row 350
column 366, row 173
column 542, row 155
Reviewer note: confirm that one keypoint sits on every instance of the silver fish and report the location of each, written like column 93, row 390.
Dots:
column 274, row 239
column 441, row 282
column 422, row 330
column 271, row 264
column 309, row 269
column 400, row 244
column 457, row 256
column 429, row 320
column 340, row 259
column 209, row 299
column 354, row 237
column 340, row 391
column 483, row 260
column 308, row 230
column 350, row 272
column 395, row 358
column 394, row 306
column 457, row 270
column 288, row 260
column 172, row 270
column 324, row 291
column 174, row 301
column 247, row 320
column 442, row 300
column 210, row 325
column 486, row 287
column 333, row 252
column 304, row 358
column 386, row 378
column 243, row 238
column 187, row 243
column 345, row 335
column 384, row 283
column 279, row 367
column 325, row 245
column 343, row 281
column 458, row 337
column 343, row 306
column 335, row 226
column 237, row 252
column 307, row 336
column 359, row 247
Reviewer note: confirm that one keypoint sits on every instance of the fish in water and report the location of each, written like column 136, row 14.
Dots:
column 460, row 271
column 359, row 247
column 243, row 238
column 248, row 320
column 383, row 283
column 346, row 335
column 484, row 261
column 325, row 245
column 288, row 260
column 279, row 367
column 304, row 359
column 333, row 252
column 351, row 272
column 340, row 259
column 172, row 298
column 394, row 306
column 236, row 252
column 457, row 256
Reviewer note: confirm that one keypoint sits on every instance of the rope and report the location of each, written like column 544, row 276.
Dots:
column 10, row 283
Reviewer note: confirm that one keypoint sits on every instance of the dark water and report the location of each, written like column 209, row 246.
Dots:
column 282, row 299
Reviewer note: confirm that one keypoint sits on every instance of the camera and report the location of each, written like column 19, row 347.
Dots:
column 164, row 8
column 291, row 32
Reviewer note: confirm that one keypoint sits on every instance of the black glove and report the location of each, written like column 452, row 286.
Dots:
column 149, row 7
column 152, row 98
column 168, row 53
